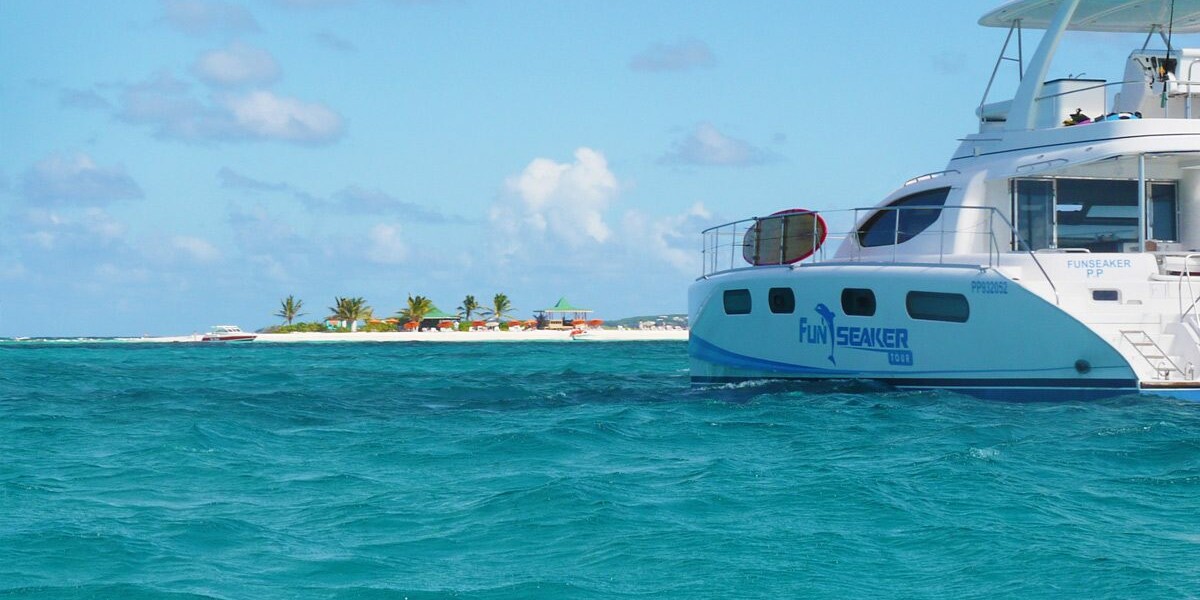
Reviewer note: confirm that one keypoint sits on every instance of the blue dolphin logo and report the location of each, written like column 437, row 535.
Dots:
column 828, row 316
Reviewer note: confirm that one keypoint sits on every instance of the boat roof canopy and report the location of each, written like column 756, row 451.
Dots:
column 1120, row 16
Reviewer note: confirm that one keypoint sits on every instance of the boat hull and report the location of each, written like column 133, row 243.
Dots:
column 1012, row 345
column 229, row 338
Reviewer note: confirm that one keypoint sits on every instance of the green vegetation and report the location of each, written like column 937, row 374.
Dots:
column 500, row 307
column 418, row 307
column 351, row 310
column 378, row 326
column 289, row 309
column 296, row 328
column 469, row 306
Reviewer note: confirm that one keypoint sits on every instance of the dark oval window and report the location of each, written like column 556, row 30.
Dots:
column 1106, row 295
column 937, row 306
column 737, row 302
column 859, row 302
column 781, row 300
column 881, row 229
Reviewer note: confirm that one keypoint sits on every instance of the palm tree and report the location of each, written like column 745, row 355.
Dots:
column 500, row 307
column 469, row 306
column 418, row 307
column 350, row 309
column 289, row 309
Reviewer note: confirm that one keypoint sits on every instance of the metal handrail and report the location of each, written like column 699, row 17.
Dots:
column 929, row 176
column 1185, row 276
column 733, row 234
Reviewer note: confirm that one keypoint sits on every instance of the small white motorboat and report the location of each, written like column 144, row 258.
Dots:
column 228, row 333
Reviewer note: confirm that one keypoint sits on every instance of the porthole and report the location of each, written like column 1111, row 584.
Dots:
column 859, row 302
column 1106, row 295
column 938, row 306
column 781, row 300
column 737, row 302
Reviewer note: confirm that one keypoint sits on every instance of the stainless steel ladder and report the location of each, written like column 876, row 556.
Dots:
column 1148, row 349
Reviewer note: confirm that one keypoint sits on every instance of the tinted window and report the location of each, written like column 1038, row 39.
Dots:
column 737, row 302
column 781, row 300
column 858, row 302
column 936, row 306
column 1098, row 214
column 881, row 229
column 1106, row 295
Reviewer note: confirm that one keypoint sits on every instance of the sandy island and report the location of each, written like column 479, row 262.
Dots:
column 595, row 335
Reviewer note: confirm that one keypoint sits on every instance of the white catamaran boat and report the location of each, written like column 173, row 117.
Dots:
column 1055, row 257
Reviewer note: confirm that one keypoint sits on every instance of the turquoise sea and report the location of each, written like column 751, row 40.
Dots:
column 569, row 470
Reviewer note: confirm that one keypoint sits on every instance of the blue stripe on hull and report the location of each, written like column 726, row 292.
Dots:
column 1012, row 390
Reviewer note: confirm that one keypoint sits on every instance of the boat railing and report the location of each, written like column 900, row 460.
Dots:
column 1192, row 310
column 732, row 246
column 928, row 176
column 1178, row 84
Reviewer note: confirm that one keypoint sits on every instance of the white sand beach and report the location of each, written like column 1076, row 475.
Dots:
column 596, row 335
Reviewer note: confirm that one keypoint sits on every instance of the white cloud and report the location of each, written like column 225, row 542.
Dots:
column 706, row 146
column 385, row 245
column 167, row 104
column 197, row 249
column 682, row 56
column 60, row 180
column 563, row 201
column 672, row 239
column 358, row 200
column 265, row 115
column 87, row 232
column 203, row 17
column 235, row 65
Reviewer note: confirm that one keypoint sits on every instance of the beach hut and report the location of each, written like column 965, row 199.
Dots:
column 434, row 318
column 562, row 315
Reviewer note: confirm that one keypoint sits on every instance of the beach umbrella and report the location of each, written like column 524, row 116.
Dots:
column 578, row 322
column 410, row 326
column 477, row 323
column 391, row 321
column 515, row 323
column 531, row 322
column 595, row 322
column 445, row 324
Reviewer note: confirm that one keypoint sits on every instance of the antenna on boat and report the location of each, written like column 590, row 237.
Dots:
column 1162, row 69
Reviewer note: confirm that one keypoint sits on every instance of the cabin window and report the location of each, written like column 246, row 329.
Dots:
column 938, row 306
column 1164, row 212
column 1106, row 295
column 1034, row 210
column 858, row 302
column 1098, row 215
column 737, row 302
column 781, row 300
column 882, row 228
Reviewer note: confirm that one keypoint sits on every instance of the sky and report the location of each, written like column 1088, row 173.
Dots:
column 167, row 165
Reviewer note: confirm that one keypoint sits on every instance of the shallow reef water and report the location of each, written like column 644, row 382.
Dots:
column 567, row 470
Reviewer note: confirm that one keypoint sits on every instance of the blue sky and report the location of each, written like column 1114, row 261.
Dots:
column 167, row 165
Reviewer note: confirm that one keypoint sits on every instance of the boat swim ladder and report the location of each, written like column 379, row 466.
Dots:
column 1149, row 350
